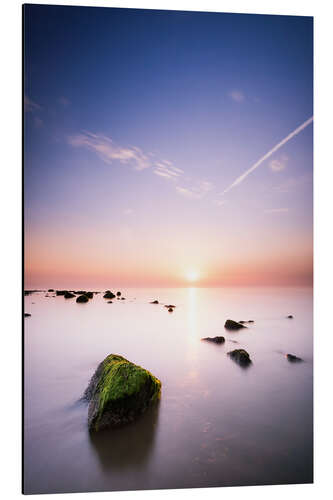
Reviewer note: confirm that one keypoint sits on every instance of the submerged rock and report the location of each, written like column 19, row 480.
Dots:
column 217, row 340
column 241, row 357
column 69, row 295
column 290, row 316
column 123, row 298
column 119, row 392
column 82, row 298
column 292, row 358
column 26, row 315
column 154, row 302
column 118, row 294
column 170, row 305
column 109, row 302
column 233, row 325
column 109, row 295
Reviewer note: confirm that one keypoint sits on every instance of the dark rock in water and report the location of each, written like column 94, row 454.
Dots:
column 292, row 358
column 233, row 325
column 290, row 316
column 61, row 292
column 109, row 302
column 69, row 295
column 170, row 310
column 123, row 298
column 170, row 305
column 26, row 315
column 80, row 292
column 119, row 392
column 118, row 294
column 154, row 302
column 50, row 290
column 89, row 295
column 82, row 298
column 109, row 295
column 251, row 321
column 240, row 356
column 248, row 321
column 217, row 340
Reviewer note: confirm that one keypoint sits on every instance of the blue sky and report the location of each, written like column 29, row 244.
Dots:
column 137, row 121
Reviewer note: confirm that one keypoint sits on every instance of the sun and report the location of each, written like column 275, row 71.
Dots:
column 192, row 276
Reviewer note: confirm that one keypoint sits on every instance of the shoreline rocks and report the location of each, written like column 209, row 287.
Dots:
column 69, row 295
column 119, row 392
column 109, row 295
column 233, row 325
column 240, row 356
column 216, row 340
column 293, row 359
column 82, row 299
column 154, row 302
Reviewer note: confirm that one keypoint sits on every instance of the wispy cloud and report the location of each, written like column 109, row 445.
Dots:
column 198, row 191
column 269, row 154
column 237, row 95
column 278, row 165
column 167, row 170
column 108, row 151
column 30, row 105
column 276, row 210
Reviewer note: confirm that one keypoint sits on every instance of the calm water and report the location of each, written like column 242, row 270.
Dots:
column 216, row 424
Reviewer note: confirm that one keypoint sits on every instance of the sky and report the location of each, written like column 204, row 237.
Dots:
column 167, row 148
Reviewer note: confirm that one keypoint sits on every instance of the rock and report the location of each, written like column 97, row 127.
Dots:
column 109, row 302
column 290, row 316
column 109, row 295
column 251, row 321
column 61, row 292
column 89, row 295
column 118, row 294
column 50, row 290
column 123, row 298
column 170, row 305
column 80, row 292
column 217, row 340
column 170, row 310
column 233, row 325
column 240, row 356
column 248, row 321
column 292, row 358
column 82, row 298
column 154, row 302
column 69, row 295
column 26, row 315
column 119, row 392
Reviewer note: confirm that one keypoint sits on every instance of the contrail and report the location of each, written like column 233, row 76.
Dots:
column 267, row 155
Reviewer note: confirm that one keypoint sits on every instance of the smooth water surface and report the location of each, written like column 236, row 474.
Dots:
column 217, row 424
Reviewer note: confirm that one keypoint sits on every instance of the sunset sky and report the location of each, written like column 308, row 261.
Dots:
column 139, row 126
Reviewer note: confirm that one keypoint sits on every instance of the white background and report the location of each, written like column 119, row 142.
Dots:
column 10, row 248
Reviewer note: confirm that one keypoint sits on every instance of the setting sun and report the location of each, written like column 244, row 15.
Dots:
column 192, row 276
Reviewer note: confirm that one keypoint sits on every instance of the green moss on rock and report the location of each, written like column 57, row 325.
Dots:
column 119, row 392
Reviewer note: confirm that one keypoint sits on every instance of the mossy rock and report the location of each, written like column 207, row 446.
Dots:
column 216, row 340
column 82, row 298
column 241, row 357
column 109, row 295
column 119, row 392
column 233, row 325
column 69, row 295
